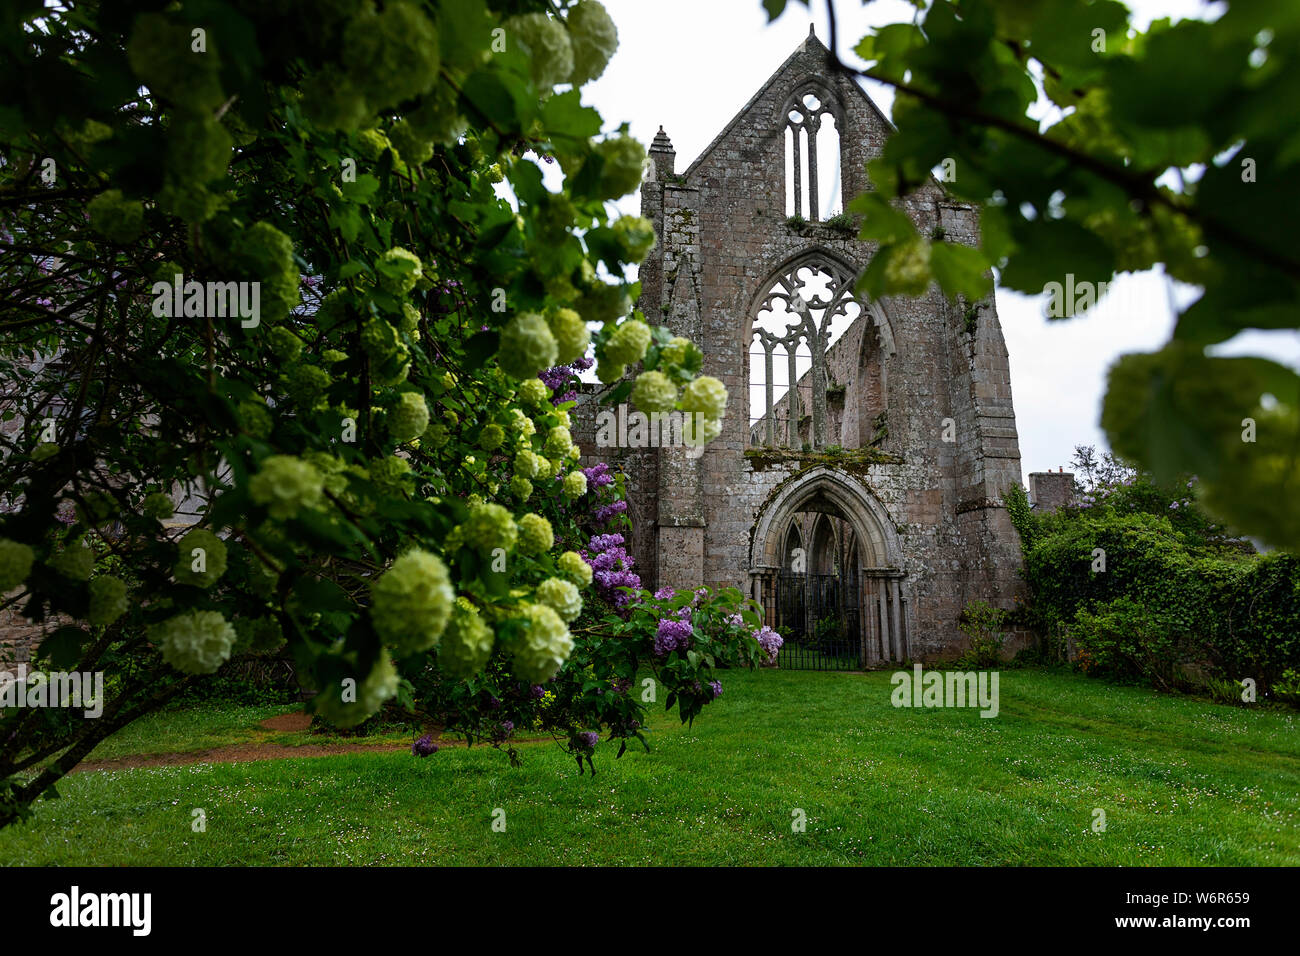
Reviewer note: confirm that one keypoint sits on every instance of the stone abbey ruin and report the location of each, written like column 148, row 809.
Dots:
column 863, row 506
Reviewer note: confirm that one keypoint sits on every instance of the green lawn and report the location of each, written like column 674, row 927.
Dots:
column 1182, row 782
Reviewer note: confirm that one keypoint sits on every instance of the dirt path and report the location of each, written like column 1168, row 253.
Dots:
column 253, row 750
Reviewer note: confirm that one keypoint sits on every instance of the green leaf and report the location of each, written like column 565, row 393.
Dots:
column 480, row 347
column 62, row 648
column 1049, row 250
column 960, row 270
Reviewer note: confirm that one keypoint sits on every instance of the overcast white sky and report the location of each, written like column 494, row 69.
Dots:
column 690, row 65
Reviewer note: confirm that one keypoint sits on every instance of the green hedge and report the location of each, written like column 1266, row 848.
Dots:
column 1164, row 608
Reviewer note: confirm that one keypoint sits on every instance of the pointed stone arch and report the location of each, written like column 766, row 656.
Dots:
column 878, row 571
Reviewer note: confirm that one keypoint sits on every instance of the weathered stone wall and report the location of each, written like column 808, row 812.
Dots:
column 938, row 371
column 1050, row 490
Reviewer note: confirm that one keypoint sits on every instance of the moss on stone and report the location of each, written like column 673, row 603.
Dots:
column 855, row 461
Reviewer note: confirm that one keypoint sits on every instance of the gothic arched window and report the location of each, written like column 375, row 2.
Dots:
column 812, row 155
column 808, row 306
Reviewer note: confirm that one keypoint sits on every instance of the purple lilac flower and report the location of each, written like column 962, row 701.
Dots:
column 735, row 620
column 424, row 746
column 598, row 476
column 537, row 691
column 585, row 740
column 770, row 641
column 672, row 635
column 611, row 568
column 716, row 686
column 604, row 513
column 665, row 594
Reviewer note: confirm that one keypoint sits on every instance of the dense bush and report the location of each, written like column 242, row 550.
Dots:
column 1143, row 599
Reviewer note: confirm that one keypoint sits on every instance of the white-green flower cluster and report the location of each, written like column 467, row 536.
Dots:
column 411, row 602
column 492, row 437
column 527, row 346
column 488, row 527
column 544, row 647
column 575, row 484
column 196, row 642
column 527, row 463
column 628, row 343
column 561, row 596
column 286, row 485
column 521, row 487
column 467, row 643
column 76, row 561
column 558, row 442
column 16, row 561
column 571, row 335
column 533, row 391
column 705, row 395
column 594, row 38
column 201, row 560
column 550, row 52
column 574, row 568
column 535, row 534
column 399, row 269
column 380, row 685
column 654, row 392
column 107, row 600
column 158, row 505
column 409, row 418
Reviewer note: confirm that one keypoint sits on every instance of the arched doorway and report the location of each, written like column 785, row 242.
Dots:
column 841, row 602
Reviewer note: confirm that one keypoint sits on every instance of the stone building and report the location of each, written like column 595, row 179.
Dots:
column 869, row 494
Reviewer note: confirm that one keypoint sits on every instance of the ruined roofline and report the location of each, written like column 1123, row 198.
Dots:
column 811, row 39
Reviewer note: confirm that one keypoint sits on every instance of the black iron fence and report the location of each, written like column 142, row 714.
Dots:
column 819, row 618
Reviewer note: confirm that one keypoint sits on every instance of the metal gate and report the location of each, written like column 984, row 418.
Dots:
column 819, row 618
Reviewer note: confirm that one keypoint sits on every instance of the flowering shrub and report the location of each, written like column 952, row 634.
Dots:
column 399, row 385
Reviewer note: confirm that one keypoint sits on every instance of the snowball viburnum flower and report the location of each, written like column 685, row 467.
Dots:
column 635, row 235
column 107, row 600
column 558, row 442
column 527, row 464
column 654, row 392
column 550, row 51
column 533, row 391
column 628, row 343
column 706, row 395
column 158, row 505
column 527, row 346
column 575, row 484
column 399, row 269
column 409, row 418
column 908, row 269
column 491, row 437
column 467, row 642
column 521, row 488
column 535, row 534
column 561, row 596
column 16, row 561
column 378, row 686
column 571, row 335
column 118, row 220
column 76, row 561
column 286, row 485
column 624, row 166
column 674, row 353
column 574, row 568
column 196, row 642
column 542, row 650
column 489, row 527
column 411, row 602
column 202, row 559
column 594, row 38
